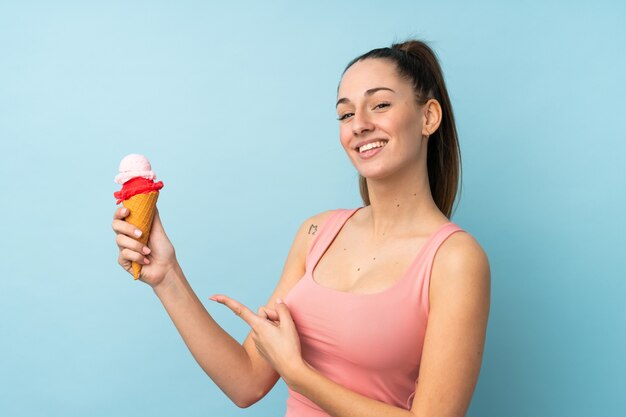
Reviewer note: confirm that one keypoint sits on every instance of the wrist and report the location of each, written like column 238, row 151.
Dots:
column 173, row 274
column 298, row 373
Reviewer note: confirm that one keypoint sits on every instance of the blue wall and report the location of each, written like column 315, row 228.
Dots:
column 234, row 105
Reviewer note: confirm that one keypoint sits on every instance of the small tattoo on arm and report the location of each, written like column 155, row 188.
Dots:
column 312, row 229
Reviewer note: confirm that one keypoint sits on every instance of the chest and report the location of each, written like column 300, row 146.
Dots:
column 350, row 264
column 371, row 331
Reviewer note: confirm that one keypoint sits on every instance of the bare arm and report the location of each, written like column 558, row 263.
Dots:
column 263, row 374
column 222, row 358
column 460, row 294
column 238, row 370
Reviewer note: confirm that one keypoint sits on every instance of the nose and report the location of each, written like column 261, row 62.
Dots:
column 361, row 123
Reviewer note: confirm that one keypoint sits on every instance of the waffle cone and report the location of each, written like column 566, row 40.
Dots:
column 142, row 208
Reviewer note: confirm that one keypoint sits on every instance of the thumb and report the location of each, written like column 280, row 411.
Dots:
column 156, row 222
column 283, row 313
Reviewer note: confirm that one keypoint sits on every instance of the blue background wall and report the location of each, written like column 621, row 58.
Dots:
column 234, row 105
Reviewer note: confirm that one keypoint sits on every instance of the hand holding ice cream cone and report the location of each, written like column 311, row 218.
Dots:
column 157, row 258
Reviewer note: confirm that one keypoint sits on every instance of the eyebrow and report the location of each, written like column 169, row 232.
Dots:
column 367, row 93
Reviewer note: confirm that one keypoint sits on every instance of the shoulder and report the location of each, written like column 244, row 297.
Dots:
column 460, row 269
column 295, row 264
column 310, row 229
column 461, row 249
column 319, row 218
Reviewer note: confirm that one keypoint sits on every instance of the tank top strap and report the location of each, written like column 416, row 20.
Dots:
column 442, row 234
column 426, row 266
column 327, row 232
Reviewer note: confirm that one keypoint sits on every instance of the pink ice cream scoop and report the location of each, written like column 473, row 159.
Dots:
column 132, row 166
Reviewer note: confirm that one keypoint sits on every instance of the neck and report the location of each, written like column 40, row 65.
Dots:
column 402, row 205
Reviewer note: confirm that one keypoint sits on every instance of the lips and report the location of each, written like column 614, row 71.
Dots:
column 370, row 153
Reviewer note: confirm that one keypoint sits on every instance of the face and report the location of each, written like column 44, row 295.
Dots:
column 374, row 103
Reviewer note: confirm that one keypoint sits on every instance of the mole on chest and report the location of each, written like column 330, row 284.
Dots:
column 360, row 272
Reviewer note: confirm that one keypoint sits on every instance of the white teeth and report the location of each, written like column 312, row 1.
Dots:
column 377, row 144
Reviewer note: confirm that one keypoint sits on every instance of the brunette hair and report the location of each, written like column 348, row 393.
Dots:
column 417, row 62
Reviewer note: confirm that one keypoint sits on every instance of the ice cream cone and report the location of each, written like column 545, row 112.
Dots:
column 142, row 208
column 139, row 194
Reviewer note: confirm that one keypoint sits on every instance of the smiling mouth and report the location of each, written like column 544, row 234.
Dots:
column 372, row 145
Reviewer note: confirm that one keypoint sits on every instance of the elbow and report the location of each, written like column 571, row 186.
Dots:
column 250, row 393
column 246, row 401
column 243, row 404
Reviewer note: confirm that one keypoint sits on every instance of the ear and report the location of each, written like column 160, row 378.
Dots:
column 432, row 117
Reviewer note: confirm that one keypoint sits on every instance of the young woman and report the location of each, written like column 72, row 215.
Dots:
column 381, row 310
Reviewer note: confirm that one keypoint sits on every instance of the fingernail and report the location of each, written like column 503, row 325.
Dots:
column 146, row 260
column 279, row 301
column 124, row 211
column 213, row 298
column 137, row 232
column 146, row 250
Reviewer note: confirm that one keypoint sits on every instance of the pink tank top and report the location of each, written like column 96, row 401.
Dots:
column 368, row 343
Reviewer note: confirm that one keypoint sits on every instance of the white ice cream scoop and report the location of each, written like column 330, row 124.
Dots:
column 132, row 166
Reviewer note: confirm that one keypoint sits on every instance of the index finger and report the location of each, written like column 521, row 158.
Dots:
column 239, row 309
column 120, row 213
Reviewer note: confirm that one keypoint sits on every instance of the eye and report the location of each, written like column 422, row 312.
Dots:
column 380, row 105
